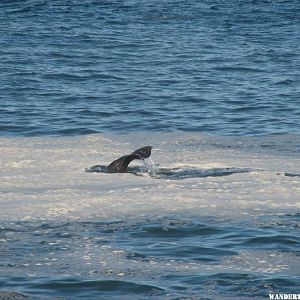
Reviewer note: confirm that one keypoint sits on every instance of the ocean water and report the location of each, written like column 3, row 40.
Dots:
column 220, row 67
column 213, row 86
column 216, row 218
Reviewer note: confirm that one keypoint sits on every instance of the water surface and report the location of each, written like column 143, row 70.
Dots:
column 155, row 258
column 73, row 67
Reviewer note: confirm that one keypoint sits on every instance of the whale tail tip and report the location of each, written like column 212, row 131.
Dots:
column 120, row 165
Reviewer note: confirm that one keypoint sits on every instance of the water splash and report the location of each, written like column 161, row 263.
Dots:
column 149, row 166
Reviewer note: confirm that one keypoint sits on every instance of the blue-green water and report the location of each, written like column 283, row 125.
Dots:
column 217, row 67
column 220, row 67
column 197, row 258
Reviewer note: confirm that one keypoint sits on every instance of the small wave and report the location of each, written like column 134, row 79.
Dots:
column 234, row 284
column 90, row 287
column 66, row 76
column 26, row 6
column 170, row 231
column 191, row 253
column 74, row 131
column 239, row 69
column 284, row 82
column 279, row 242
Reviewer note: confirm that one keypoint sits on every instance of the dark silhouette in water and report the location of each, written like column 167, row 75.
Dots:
column 120, row 165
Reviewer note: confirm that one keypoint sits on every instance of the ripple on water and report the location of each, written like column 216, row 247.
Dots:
column 110, row 57
column 151, row 257
column 90, row 288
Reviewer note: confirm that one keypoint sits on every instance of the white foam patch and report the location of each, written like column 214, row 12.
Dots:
column 44, row 178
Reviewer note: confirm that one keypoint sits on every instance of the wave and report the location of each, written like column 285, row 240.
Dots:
column 108, row 287
column 145, row 257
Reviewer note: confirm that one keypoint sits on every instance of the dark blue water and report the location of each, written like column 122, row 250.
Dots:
column 167, row 257
column 221, row 67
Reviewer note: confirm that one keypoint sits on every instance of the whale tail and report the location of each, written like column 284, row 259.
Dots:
column 143, row 153
column 120, row 165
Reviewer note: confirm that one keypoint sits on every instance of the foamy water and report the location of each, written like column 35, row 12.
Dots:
column 214, row 216
column 47, row 176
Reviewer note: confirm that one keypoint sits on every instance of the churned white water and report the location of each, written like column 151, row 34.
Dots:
column 44, row 178
column 204, row 216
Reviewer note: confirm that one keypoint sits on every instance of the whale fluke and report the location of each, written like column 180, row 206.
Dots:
column 120, row 165
column 143, row 153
